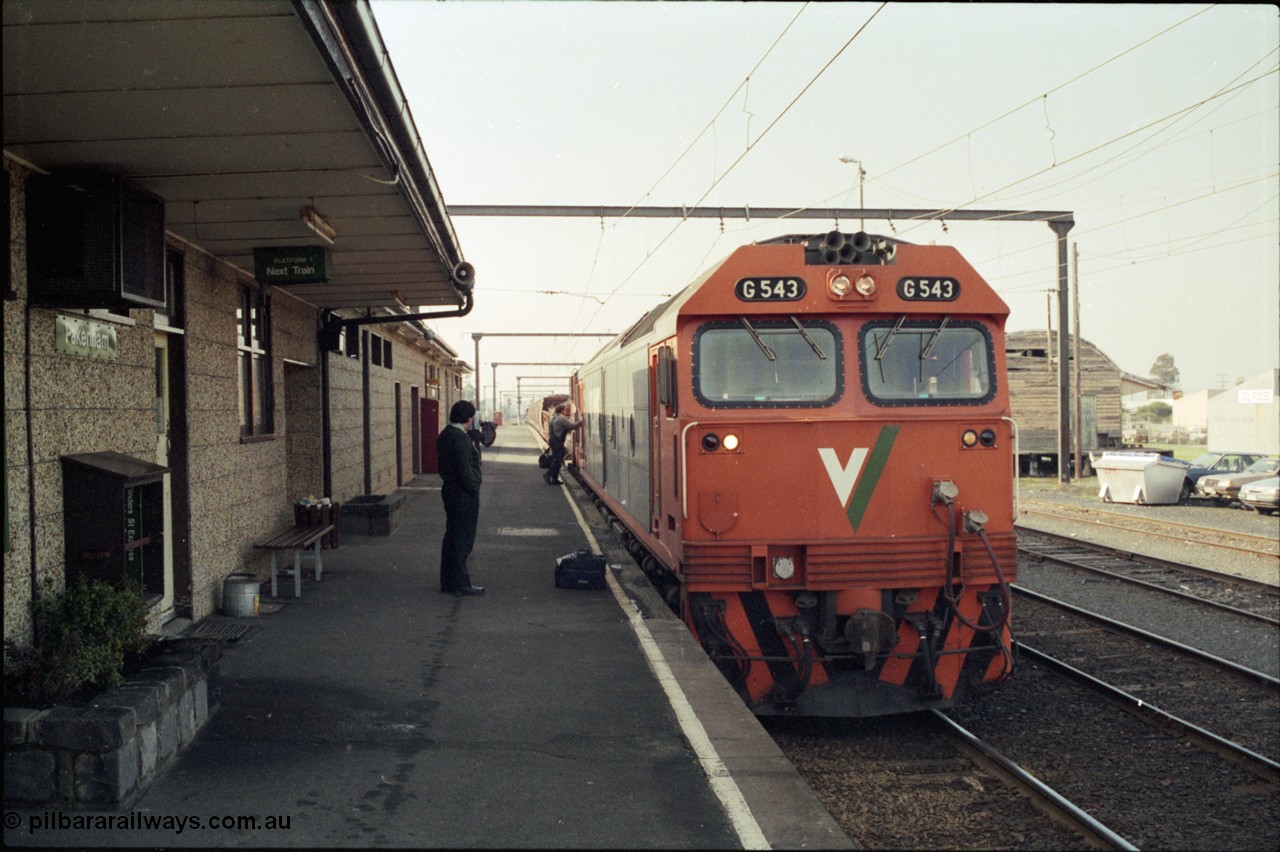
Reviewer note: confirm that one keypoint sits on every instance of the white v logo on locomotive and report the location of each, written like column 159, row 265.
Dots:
column 843, row 477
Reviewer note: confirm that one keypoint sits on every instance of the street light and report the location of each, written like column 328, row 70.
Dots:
column 862, row 223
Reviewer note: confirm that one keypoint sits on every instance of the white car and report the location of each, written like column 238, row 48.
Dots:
column 1262, row 496
column 1224, row 488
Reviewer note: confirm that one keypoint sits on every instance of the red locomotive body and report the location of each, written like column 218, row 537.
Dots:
column 810, row 449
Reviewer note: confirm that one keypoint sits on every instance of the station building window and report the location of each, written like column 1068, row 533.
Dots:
column 253, row 340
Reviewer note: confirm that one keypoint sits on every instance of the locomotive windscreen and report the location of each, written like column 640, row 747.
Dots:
column 927, row 362
column 767, row 363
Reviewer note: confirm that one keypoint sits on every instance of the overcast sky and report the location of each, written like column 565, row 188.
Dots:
column 1156, row 125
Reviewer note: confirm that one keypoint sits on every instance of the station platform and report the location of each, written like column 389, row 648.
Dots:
column 376, row 711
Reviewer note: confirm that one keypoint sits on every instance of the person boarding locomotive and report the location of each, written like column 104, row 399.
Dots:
column 557, row 434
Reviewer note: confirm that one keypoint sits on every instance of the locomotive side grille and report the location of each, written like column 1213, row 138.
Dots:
column 977, row 562
column 891, row 563
column 711, row 566
column 882, row 562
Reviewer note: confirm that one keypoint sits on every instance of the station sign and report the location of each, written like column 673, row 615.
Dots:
column 292, row 265
column 85, row 338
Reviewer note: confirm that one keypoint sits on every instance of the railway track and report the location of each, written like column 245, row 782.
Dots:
column 1229, row 592
column 1248, row 543
column 1226, row 705
column 1226, row 616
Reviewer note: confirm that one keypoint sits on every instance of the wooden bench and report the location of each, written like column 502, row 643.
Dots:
column 297, row 539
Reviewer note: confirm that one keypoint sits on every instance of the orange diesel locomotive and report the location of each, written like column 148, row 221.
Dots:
column 811, row 452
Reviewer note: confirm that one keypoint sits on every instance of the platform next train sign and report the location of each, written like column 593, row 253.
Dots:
column 292, row 265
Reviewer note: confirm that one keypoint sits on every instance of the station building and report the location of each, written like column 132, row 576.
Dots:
column 225, row 249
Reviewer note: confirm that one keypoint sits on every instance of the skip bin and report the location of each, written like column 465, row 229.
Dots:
column 1145, row 478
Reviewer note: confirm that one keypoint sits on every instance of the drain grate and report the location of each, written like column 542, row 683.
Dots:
column 219, row 630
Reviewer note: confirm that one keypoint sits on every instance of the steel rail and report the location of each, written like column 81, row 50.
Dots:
column 1263, row 767
column 1244, row 613
column 1261, row 678
column 1061, row 806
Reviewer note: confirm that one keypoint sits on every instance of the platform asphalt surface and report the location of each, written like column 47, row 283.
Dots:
column 376, row 711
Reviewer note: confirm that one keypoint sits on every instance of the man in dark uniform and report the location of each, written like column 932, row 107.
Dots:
column 460, row 469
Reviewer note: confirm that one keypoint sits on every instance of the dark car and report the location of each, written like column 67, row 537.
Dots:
column 1224, row 488
column 1206, row 463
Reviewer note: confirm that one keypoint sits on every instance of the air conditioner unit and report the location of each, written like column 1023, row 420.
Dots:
column 94, row 242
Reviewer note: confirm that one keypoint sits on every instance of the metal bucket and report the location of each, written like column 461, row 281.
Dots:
column 240, row 595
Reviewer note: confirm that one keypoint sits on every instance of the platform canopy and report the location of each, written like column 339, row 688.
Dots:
column 240, row 114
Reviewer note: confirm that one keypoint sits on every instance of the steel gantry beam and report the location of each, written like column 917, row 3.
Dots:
column 1060, row 221
column 479, row 334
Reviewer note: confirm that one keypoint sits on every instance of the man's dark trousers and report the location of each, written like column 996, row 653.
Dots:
column 462, row 514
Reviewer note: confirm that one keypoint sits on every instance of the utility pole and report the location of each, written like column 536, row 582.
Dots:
column 1075, row 319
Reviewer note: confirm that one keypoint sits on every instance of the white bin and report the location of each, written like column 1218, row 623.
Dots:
column 1145, row 478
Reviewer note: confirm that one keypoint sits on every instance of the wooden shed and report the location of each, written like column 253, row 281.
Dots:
column 1033, row 397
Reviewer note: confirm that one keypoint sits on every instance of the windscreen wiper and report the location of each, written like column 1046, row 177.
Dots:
column 933, row 339
column 764, row 347
column 884, row 344
column 809, row 340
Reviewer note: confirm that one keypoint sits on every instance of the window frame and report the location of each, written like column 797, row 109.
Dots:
column 255, row 387
column 769, row 324
column 927, row 324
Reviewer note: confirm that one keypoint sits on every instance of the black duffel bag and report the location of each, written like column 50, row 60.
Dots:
column 544, row 460
column 580, row 570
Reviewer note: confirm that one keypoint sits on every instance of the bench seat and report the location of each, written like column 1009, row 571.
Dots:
column 297, row 539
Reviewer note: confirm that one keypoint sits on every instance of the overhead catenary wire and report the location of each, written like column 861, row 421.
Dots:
column 750, row 147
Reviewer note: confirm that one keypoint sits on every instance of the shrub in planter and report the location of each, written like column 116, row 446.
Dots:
column 82, row 638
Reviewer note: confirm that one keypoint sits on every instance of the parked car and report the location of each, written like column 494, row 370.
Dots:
column 1218, row 462
column 1262, row 495
column 1224, row 489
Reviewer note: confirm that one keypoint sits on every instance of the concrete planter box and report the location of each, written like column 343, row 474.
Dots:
column 106, row 753
column 372, row 514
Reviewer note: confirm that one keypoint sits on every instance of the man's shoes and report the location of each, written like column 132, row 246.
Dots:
column 469, row 591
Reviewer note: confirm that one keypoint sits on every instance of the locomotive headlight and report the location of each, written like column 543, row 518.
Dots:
column 865, row 285
column 784, row 567
column 710, row 442
column 988, row 437
column 969, row 438
column 730, row 442
column 840, row 286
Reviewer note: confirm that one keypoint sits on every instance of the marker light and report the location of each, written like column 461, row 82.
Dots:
column 730, row 442
column 865, row 285
column 988, row 437
column 840, row 286
column 969, row 438
column 710, row 442
column 784, row 567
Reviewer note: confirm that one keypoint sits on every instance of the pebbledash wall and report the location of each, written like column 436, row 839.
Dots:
column 228, row 492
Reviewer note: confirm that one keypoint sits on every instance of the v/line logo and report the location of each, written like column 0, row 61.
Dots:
column 862, row 470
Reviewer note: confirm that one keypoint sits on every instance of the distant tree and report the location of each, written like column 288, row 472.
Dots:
column 1164, row 370
column 1154, row 412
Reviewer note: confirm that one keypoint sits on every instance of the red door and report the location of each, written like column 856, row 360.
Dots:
column 430, row 431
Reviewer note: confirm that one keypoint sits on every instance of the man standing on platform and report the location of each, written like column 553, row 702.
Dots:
column 558, row 433
column 460, row 469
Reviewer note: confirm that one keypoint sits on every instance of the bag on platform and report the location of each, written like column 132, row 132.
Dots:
column 580, row 570
column 544, row 460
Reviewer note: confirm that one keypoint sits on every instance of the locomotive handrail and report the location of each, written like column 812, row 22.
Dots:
column 1017, row 482
column 684, row 469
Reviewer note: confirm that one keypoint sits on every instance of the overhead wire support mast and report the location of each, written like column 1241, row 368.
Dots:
column 479, row 334
column 1060, row 221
